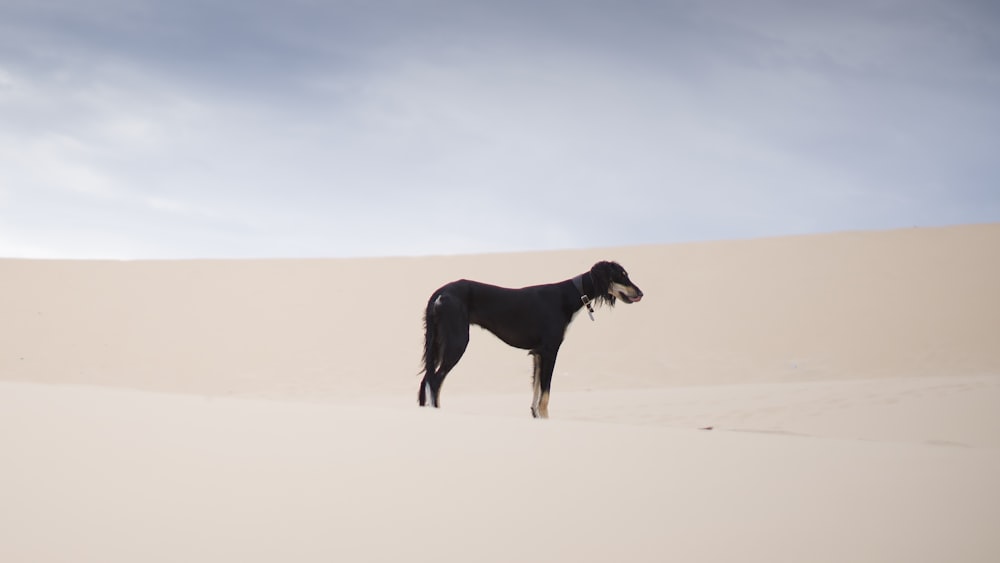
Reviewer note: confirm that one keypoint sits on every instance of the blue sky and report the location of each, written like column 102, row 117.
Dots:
column 182, row 129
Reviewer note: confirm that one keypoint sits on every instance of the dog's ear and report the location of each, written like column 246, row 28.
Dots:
column 601, row 274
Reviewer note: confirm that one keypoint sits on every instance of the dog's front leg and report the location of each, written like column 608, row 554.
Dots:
column 536, row 382
column 544, row 366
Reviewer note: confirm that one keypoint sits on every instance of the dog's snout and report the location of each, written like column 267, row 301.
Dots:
column 638, row 293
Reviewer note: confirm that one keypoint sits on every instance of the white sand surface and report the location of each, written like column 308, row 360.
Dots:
column 104, row 475
column 265, row 410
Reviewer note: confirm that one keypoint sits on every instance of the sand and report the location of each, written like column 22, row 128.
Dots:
column 818, row 398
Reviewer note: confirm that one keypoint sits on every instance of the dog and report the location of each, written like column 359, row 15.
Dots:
column 531, row 318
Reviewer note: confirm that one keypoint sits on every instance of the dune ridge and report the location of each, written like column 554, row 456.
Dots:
column 914, row 302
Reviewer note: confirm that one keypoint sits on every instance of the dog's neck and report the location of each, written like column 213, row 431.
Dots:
column 584, row 298
column 578, row 282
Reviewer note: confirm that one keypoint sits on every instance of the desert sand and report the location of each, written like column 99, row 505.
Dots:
column 828, row 397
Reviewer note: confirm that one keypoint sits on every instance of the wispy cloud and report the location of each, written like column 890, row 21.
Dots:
column 298, row 128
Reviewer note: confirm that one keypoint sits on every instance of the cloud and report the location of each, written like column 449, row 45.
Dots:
column 340, row 128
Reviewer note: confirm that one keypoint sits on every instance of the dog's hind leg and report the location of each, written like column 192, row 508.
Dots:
column 454, row 348
column 451, row 340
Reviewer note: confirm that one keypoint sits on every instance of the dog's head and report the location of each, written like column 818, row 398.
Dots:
column 611, row 282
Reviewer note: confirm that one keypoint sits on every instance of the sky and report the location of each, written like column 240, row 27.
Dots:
column 165, row 129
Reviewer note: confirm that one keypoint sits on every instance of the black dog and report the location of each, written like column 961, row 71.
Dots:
column 532, row 318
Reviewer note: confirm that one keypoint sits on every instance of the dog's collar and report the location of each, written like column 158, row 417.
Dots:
column 578, row 282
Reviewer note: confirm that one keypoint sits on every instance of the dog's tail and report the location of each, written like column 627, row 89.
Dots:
column 431, row 346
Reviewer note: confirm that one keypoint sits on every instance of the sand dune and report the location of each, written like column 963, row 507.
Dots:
column 264, row 410
column 917, row 302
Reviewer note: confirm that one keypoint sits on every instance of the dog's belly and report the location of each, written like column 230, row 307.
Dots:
column 517, row 339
